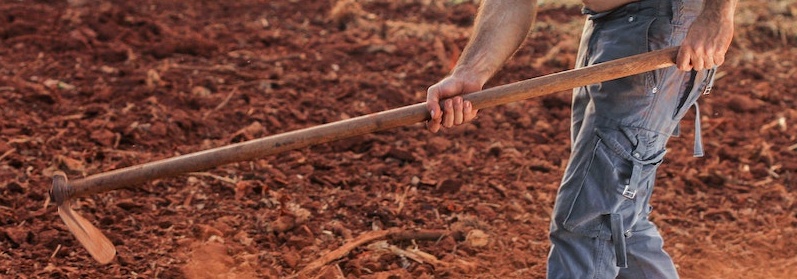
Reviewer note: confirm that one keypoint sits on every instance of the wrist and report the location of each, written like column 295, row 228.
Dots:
column 726, row 15
column 720, row 10
column 471, row 74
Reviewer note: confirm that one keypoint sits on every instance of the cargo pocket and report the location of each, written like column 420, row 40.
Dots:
column 616, row 187
column 617, row 182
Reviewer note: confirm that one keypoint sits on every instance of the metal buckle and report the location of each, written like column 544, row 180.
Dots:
column 628, row 193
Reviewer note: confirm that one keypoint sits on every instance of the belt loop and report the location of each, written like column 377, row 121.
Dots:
column 618, row 238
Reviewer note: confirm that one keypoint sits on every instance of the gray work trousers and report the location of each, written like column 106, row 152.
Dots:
column 600, row 226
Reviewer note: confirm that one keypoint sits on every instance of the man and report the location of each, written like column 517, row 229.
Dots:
column 600, row 226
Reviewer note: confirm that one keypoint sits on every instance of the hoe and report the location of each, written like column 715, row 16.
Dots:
column 102, row 250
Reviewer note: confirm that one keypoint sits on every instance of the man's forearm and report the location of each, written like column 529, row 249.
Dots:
column 501, row 26
column 719, row 9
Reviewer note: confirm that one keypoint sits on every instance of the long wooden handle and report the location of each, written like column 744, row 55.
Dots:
column 403, row 116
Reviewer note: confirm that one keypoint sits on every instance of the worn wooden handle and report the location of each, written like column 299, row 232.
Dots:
column 403, row 116
column 570, row 79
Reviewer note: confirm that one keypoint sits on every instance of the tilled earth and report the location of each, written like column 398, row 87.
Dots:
column 91, row 86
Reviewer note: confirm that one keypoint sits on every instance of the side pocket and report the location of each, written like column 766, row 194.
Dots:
column 658, row 37
column 699, row 83
column 622, row 37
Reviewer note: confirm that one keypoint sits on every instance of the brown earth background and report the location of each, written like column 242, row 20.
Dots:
column 90, row 86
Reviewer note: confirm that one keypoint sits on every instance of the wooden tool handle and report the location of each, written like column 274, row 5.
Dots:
column 403, row 116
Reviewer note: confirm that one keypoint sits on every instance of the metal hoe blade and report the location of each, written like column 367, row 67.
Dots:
column 98, row 246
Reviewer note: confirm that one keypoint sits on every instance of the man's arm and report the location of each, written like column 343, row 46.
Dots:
column 501, row 26
column 709, row 37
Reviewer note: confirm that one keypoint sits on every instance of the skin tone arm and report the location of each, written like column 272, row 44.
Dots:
column 501, row 26
column 709, row 37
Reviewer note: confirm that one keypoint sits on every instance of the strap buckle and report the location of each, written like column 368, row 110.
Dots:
column 628, row 193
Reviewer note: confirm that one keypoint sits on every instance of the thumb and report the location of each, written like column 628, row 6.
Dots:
column 448, row 87
column 433, row 96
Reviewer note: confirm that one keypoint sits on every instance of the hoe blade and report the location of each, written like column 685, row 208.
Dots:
column 87, row 234
column 99, row 247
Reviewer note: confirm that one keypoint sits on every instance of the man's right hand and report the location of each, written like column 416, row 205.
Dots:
column 453, row 111
column 501, row 26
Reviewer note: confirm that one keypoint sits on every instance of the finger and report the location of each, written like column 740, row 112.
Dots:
column 433, row 124
column 697, row 63
column 719, row 58
column 683, row 60
column 458, row 108
column 469, row 113
column 709, row 61
column 448, row 113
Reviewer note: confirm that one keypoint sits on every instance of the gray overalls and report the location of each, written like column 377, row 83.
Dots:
column 600, row 226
